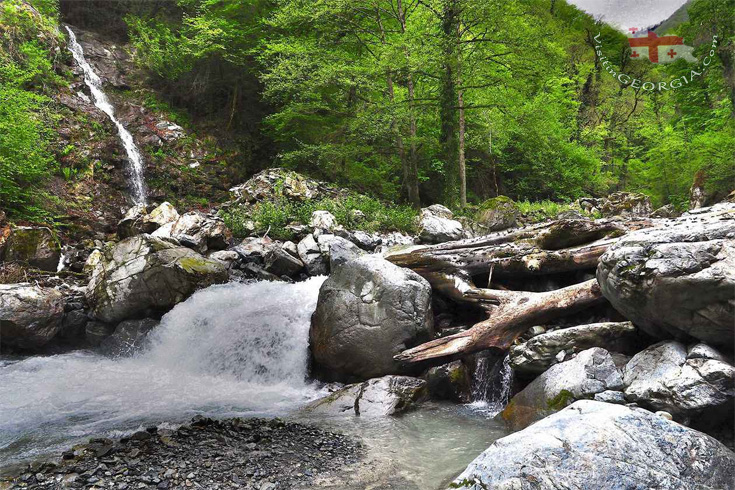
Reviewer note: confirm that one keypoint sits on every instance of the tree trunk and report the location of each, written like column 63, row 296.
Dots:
column 513, row 312
column 411, row 170
column 448, row 101
column 461, row 156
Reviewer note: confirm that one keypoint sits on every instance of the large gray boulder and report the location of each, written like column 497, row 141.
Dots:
column 596, row 445
column 145, row 274
column 627, row 204
column 676, row 280
column 437, row 225
column 662, row 377
column 30, row 316
column 36, row 246
column 592, row 371
column 537, row 354
column 128, row 337
column 389, row 395
column 368, row 311
column 498, row 213
column 198, row 231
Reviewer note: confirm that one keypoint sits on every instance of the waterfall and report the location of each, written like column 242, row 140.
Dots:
column 229, row 350
column 135, row 160
column 491, row 384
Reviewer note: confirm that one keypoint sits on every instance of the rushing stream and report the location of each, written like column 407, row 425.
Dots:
column 102, row 102
column 229, row 350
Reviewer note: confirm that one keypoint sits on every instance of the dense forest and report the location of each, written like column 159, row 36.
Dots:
column 418, row 101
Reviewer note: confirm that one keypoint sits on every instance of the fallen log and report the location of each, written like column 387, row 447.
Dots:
column 511, row 314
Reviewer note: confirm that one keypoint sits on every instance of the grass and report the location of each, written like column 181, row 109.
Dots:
column 274, row 216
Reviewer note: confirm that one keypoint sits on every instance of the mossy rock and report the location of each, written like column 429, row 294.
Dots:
column 35, row 246
column 498, row 213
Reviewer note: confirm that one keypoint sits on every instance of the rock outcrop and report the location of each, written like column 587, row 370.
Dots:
column 278, row 182
column 389, row 395
column 451, row 381
column 537, row 354
column 33, row 245
column 368, row 311
column 128, row 337
column 665, row 377
column 146, row 219
column 145, row 274
column 600, row 445
column 592, row 371
column 30, row 316
column 676, row 280
column 197, row 231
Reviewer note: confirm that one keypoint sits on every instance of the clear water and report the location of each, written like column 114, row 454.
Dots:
column 102, row 102
column 229, row 350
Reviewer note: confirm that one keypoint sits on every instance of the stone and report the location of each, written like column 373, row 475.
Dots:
column 677, row 279
column 704, row 351
column 254, row 249
column 311, row 255
column 30, row 316
column 537, row 354
column 592, row 371
column 273, row 183
column 611, row 396
column 365, row 241
column 439, row 227
column 73, row 327
column 451, row 381
column 128, row 337
column 368, row 311
column 146, row 219
column 379, row 397
column 144, row 274
column 627, row 204
column 36, row 246
column 228, row 258
column 323, row 220
column 601, row 445
column 291, row 248
column 201, row 232
column 667, row 211
column 342, row 251
column 662, row 378
column 281, row 263
column 498, row 213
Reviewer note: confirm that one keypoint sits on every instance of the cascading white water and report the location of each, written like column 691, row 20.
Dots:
column 491, row 384
column 135, row 160
column 229, row 350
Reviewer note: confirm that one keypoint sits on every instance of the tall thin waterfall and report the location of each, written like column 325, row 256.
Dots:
column 135, row 160
column 491, row 384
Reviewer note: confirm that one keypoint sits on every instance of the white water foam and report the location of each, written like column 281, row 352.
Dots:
column 229, row 350
column 101, row 101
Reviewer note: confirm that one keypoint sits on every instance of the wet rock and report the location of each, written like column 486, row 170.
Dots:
column 592, row 371
column 662, row 378
column 368, row 311
column 627, row 204
column 145, row 274
column 281, row 263
column 96, row 332
column 128, row 337
column 323, row 220
column 498, row 213
column 36, row 246
column 389, row 395
column 311, row 255
column 73, row 327
column 600, row 445
column 146, row 219
column 30, row 316
column 451, row 381
column 437, row 225
column 676, row 280
column 538, row 354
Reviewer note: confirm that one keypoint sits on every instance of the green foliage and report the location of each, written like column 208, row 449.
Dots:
column 272, row 217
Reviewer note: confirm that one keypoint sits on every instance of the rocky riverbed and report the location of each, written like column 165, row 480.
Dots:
column 211, row 454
